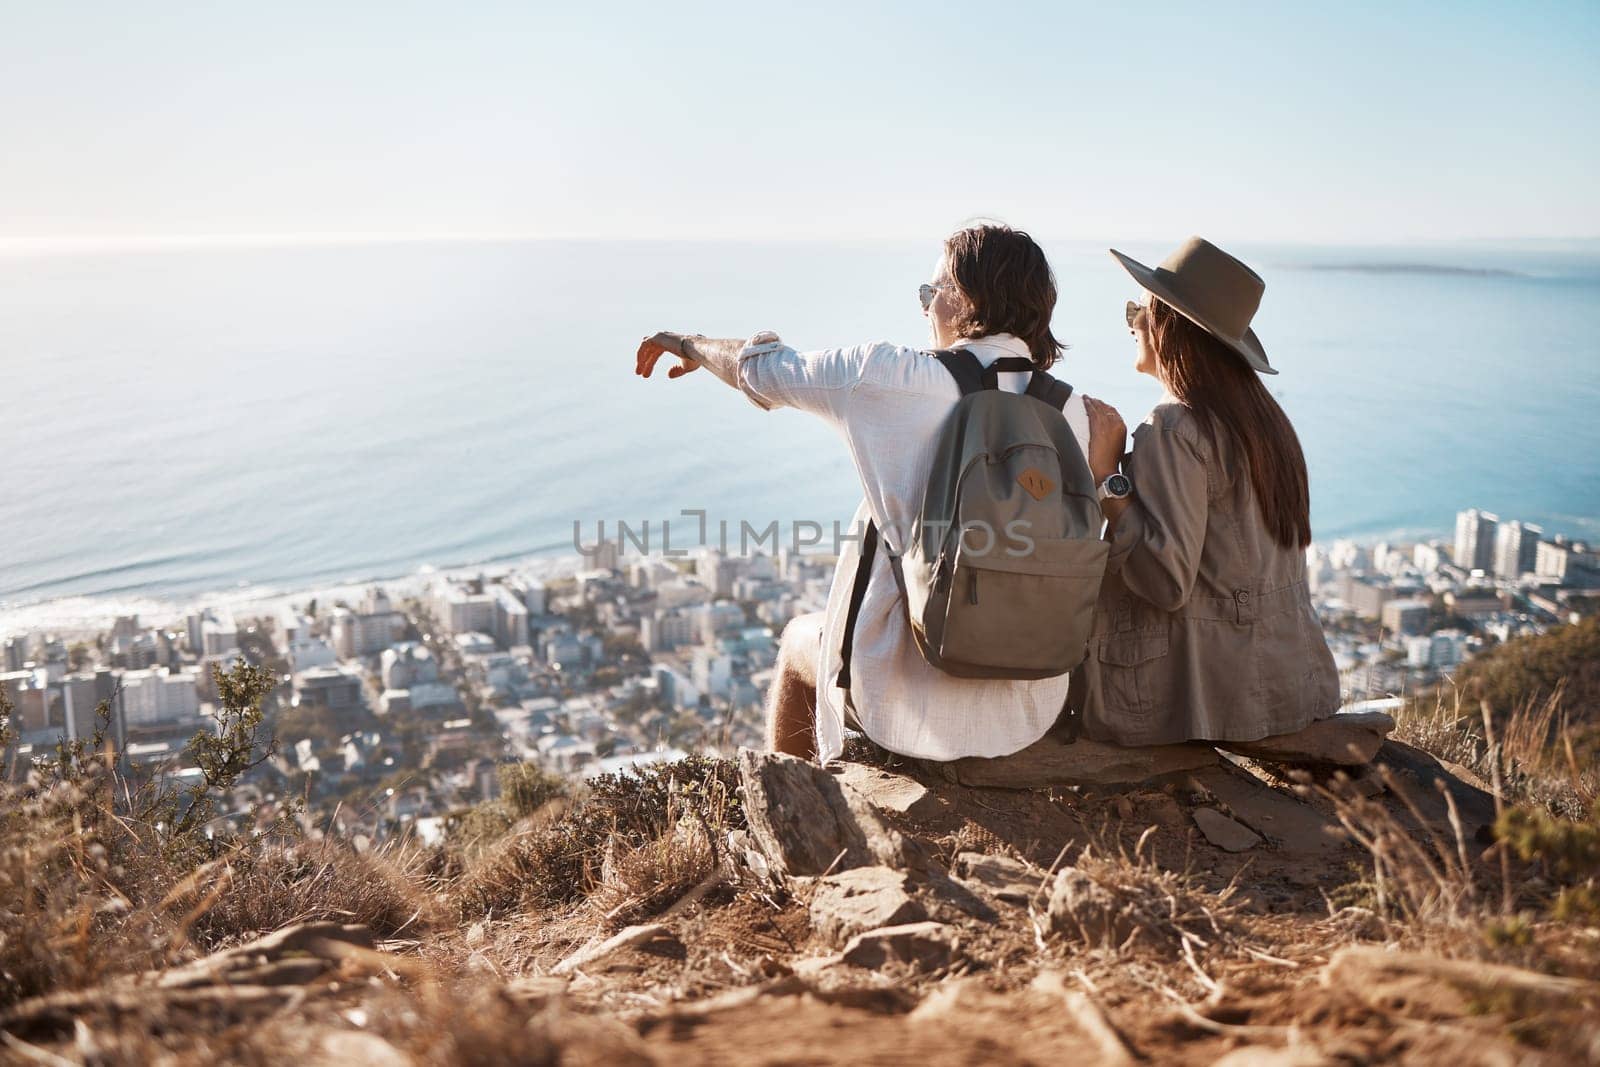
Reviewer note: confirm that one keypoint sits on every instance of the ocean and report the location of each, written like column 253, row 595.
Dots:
column 186, row 423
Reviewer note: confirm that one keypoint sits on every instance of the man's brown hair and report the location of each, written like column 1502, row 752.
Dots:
column 1008, row 286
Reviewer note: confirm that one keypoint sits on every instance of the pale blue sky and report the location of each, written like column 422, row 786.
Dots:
column 1389, row 122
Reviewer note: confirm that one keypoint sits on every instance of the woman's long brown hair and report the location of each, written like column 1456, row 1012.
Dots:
column 1219, row 386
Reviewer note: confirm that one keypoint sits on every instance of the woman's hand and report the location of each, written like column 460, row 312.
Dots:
column 655, row 346
column 1108, row 438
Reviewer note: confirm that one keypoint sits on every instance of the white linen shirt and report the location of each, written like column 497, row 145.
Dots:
column 888, row 402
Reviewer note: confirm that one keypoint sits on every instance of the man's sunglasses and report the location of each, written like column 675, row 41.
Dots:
column 926, row 293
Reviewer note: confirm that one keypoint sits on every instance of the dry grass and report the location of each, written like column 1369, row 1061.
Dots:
column 1419, row 879
column 622, row 837
column 1116, row 900
column 278, row 884
column 1530, row 749
column 104, row 873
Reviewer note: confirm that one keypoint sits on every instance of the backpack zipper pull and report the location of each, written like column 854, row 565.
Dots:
column 972, row 587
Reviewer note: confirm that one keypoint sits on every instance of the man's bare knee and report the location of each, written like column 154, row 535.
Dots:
column 798, row 647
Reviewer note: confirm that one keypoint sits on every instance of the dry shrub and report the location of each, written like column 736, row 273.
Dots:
column 562, row 862
column 277, row 884
column 65, row 918
column 104, row 871
column 639, row 881
column 1115, row 900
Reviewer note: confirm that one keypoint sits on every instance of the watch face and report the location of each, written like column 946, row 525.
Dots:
column 1119, row 485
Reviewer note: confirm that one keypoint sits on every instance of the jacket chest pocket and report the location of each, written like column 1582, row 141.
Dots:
column 1133, row 671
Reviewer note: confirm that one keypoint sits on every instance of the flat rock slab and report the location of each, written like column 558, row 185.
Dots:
column 1290, row 824
column 1348, row 739
column 1001, row 877
column 1225, row 833
column 806, row 823
column 1049, row 761
column 865, row 898
column 888, row 791
column 926, row 945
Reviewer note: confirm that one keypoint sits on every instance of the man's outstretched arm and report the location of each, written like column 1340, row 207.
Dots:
column 767, row 371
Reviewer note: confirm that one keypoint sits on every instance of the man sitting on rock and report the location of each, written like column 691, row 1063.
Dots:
column 993, row 294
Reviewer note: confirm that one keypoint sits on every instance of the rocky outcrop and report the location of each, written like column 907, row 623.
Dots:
column 1052, row 762
column 1348, row 739
column 807, row 823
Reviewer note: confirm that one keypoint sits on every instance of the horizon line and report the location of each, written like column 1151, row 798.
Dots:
column 179, row 242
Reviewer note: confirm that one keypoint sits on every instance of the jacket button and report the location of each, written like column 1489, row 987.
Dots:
column 1242, row 596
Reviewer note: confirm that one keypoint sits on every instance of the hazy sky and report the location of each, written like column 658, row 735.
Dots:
column 1272, row 121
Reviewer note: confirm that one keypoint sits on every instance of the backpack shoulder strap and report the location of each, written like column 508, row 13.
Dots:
column 858, row 593
column 963, row 367
column 1055, row 393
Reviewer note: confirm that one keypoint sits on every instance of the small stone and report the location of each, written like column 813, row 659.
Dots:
column 864, row 898
column 1000, row 876
column 1224, row 832
column 1347, row 739
column 925, row 945
column 1288, row 822
column 1084, row 911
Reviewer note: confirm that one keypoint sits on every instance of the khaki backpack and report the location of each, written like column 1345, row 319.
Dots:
column 1002, row 566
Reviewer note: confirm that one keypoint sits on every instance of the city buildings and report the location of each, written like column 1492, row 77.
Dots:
column 1516, row 548
column 1475, row 540
column 158, row 696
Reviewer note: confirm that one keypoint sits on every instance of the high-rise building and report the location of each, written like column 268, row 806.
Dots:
column 158, row 696
column 510, row 619
column 1516, row 549
column 1475, row 540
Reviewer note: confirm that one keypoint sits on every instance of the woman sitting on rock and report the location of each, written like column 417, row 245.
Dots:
column 1204, row 627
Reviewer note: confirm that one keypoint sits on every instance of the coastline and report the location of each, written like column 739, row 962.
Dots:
column 91, row 614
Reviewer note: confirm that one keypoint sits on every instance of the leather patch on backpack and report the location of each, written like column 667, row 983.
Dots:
column 1034, row 481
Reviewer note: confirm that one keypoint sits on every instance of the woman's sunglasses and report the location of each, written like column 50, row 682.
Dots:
column 1135, row 309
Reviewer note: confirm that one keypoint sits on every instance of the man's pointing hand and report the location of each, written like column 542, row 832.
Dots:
column 665, row 343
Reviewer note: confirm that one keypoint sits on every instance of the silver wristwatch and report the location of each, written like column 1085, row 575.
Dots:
column 1117, row 486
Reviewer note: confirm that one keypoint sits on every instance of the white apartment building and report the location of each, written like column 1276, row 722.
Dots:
column 157, row 695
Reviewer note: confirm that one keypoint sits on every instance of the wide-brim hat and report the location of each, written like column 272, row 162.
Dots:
column 1211, row 289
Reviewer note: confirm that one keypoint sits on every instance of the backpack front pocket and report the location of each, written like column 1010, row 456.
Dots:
column 1023, row 616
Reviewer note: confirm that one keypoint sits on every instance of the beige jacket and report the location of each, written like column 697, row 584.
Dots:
column 1204, row 628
